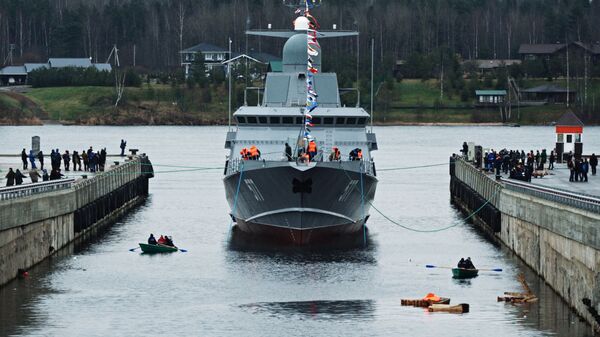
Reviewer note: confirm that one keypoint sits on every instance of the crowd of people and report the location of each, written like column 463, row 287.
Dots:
column 89, row 161
column 522, row 166
column 162, row 240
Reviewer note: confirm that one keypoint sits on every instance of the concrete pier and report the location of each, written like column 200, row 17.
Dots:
column 556, row 232
column 36, row 220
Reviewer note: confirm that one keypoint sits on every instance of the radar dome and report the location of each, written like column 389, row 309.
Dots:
column 295, row 54
column 301, row 23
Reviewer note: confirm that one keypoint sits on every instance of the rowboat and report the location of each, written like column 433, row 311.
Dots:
column 152, row 249
column 462, row 273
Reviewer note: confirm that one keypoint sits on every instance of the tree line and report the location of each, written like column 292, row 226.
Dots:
column 150, row 33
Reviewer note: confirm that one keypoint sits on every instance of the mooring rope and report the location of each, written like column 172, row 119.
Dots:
column 237, row 192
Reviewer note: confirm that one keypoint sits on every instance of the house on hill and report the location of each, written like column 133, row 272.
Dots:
column 530, row 52
column 215, row 56
column 548, row 93
column 212, row 56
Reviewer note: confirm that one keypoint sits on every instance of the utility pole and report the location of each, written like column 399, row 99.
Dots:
column 229, row 79
column 372, row 83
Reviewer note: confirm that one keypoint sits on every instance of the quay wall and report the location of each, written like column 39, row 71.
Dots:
column 559, row 241
column 36, row 226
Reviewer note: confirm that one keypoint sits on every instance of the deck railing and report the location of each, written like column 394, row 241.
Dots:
column 13, row 192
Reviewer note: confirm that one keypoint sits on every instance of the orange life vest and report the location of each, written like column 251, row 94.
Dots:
column 253, row 151
column 432, row 297
column 359, row 154
column 312, row 146
column 244, row 153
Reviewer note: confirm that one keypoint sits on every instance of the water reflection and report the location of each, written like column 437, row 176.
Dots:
column 348, row 249
column 318, row 310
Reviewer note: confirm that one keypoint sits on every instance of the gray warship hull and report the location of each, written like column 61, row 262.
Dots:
column 301, row 204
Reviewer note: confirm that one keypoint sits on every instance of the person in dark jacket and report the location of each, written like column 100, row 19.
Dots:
column 24, row 159
column 102, row 159
column 19, row 177
column 45, row 176
column 552, row 160
column 40, row 157
column 10, row 177
column 66, row 159
column 288, row 152
column 570, row 165
column 152, row 240
column 55, row 174
column 593, row 163
column 585, row 167
column 76, row 161
column 122, row 146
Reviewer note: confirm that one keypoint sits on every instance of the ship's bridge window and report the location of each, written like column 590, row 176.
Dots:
column 316, row 120
column 288, row 120
column 328, row 120
column 241, row 120
column 262, row 120
column 340, row 121
column 362, row 121
column 299, row 120
column 351, row 120
column 274, row 120
column 251, row 120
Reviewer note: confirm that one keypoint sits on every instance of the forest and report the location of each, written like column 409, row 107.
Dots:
column 150, row 33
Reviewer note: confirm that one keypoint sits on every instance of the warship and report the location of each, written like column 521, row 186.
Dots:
column 291, row 198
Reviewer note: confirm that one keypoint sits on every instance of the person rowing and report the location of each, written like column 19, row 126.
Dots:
column 152, row 240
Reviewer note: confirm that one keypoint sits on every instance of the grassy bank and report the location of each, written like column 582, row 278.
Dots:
column 412, row 101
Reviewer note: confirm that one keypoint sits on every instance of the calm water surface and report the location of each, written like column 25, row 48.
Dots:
column 221, row 288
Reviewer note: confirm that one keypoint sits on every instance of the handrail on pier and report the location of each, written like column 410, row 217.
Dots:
column 13, row 192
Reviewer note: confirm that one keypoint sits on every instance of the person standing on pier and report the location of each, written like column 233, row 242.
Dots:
column 24, row 159
column 34, row 175
column 66, row 159
column 552, row 160
column 40, row 157
column 10, row 177
column 543, row 158
column 570, row 165
column 122, row 146
column 86, row 161
column 76, row 161
column 45, row 176
column 288, row 152
column 585, row 167
column 19, row 177
column 593, row 163
column 32, row 159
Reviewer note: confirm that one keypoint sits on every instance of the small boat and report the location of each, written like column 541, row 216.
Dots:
column 152, row 249
column 462, row 273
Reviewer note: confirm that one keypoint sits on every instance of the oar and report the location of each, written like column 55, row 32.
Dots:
column 133, row 249
column 183, row 250
column 480, row 269
column 432, row 266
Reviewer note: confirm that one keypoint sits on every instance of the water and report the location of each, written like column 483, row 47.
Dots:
column 220, row 289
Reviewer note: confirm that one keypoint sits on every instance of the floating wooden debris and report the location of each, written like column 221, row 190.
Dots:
column 514, row 297
column 423, row 303
column 456, row 309
column 426, row 301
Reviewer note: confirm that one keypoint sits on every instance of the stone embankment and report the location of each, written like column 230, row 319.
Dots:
column 39, row 219
column 556, row 232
